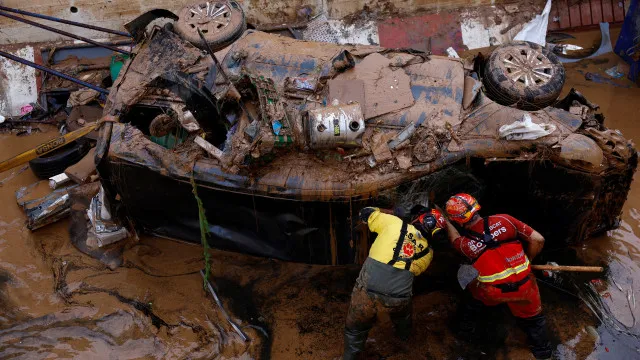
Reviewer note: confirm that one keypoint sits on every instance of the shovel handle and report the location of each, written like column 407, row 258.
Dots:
column 47, row 147
column 568, row 268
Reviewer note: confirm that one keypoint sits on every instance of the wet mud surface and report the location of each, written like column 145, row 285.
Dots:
column 57, row 302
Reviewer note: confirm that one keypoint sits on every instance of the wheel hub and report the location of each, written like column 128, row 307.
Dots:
column 209, row 16
column 528, row 66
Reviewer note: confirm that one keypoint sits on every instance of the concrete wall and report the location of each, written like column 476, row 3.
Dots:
column 17, row 82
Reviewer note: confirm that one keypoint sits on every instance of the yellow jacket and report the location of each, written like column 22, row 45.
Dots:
column 414, row 247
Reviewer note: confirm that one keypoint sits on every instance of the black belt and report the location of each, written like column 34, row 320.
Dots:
column 512, row 287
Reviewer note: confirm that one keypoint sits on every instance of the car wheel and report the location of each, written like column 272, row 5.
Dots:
column 221, row 22
column 58, row 161
column 523, row 74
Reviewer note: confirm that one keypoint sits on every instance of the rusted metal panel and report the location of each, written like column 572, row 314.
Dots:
column 607, row 10
column 574, row 15
column 563, row 13
column 554, row 17
column 278, row 58
column 430, row 32
column 618, row 11
column 596, row 11
column 585, row 13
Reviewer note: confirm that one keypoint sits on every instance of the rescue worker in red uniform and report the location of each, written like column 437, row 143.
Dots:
column 399, row 252
column 499, row 248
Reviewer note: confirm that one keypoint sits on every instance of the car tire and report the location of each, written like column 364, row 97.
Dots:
column 58, row 161
column 523, row 74
column 221, row 26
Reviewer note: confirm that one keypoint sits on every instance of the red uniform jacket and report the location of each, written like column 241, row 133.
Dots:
column 504, row 263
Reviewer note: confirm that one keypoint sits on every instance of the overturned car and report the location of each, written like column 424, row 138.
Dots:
column 288, row 139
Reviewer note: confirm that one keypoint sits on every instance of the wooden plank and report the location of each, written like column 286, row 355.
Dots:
column 607, row 10
column 585, row 13
column 554, row 17
column 596, row 11
column 82, row 171
column 332, row 237
column 563, row 12
column 618, row 11
column 574, row 16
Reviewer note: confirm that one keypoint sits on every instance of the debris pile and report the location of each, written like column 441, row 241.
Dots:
column 248, row 113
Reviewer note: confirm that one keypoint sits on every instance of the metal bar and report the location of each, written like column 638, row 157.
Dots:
column 61, row 32
column 213, row 55
column 69, row 22
column 52, row 72
column 81, row 46
column 221, row 70
column 235, row 327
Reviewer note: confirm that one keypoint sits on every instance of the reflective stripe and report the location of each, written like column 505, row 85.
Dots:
column 505, row 273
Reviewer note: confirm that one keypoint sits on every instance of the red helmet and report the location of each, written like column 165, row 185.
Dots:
column 429, row 221
column 462, row 207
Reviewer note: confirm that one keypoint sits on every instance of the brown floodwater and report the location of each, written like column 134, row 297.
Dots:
column 56, row 302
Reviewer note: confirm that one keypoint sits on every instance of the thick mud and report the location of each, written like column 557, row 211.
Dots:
column 58, row 302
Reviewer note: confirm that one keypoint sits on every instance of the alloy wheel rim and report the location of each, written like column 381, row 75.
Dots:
column 210, row 16
column 528, row 66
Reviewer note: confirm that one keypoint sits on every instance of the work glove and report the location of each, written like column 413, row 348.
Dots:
column 366, row 212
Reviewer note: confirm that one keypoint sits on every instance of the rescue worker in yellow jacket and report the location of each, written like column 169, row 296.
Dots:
column 399, row 252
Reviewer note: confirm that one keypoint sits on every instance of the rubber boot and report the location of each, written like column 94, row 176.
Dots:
column 467, row 318
column 354, row 341
column 402, row 320
column 536, row 329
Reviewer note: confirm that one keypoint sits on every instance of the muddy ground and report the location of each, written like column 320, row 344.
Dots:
column 57, row 302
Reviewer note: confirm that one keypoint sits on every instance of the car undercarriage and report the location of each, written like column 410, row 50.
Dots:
column 288, row 139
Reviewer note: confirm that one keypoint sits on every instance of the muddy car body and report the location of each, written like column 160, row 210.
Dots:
column 277, row 186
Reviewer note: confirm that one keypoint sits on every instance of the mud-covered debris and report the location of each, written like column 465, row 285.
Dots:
column 346, row 91
column 525, row 129
column 380, row 147
column 208, row 147
column 83, row 171
column 104, row 230
column 300, row 83
column 81, row 231
column 58, row 180
column 43, row 206
column 335, row 126
column 580, row 110
column 616, row 148
column 471, row 89
column 162, row 125
column 402, row 136
column 404, row 162
column 386, row 89
column 581, row 151
column 426, row 150
column 403, row 59
column 82, row 97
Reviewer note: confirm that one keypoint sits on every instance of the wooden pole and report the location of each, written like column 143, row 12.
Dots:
column 568, row 268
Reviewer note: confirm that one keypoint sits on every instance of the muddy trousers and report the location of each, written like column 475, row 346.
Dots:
column 363, row 312
column 535, row 327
